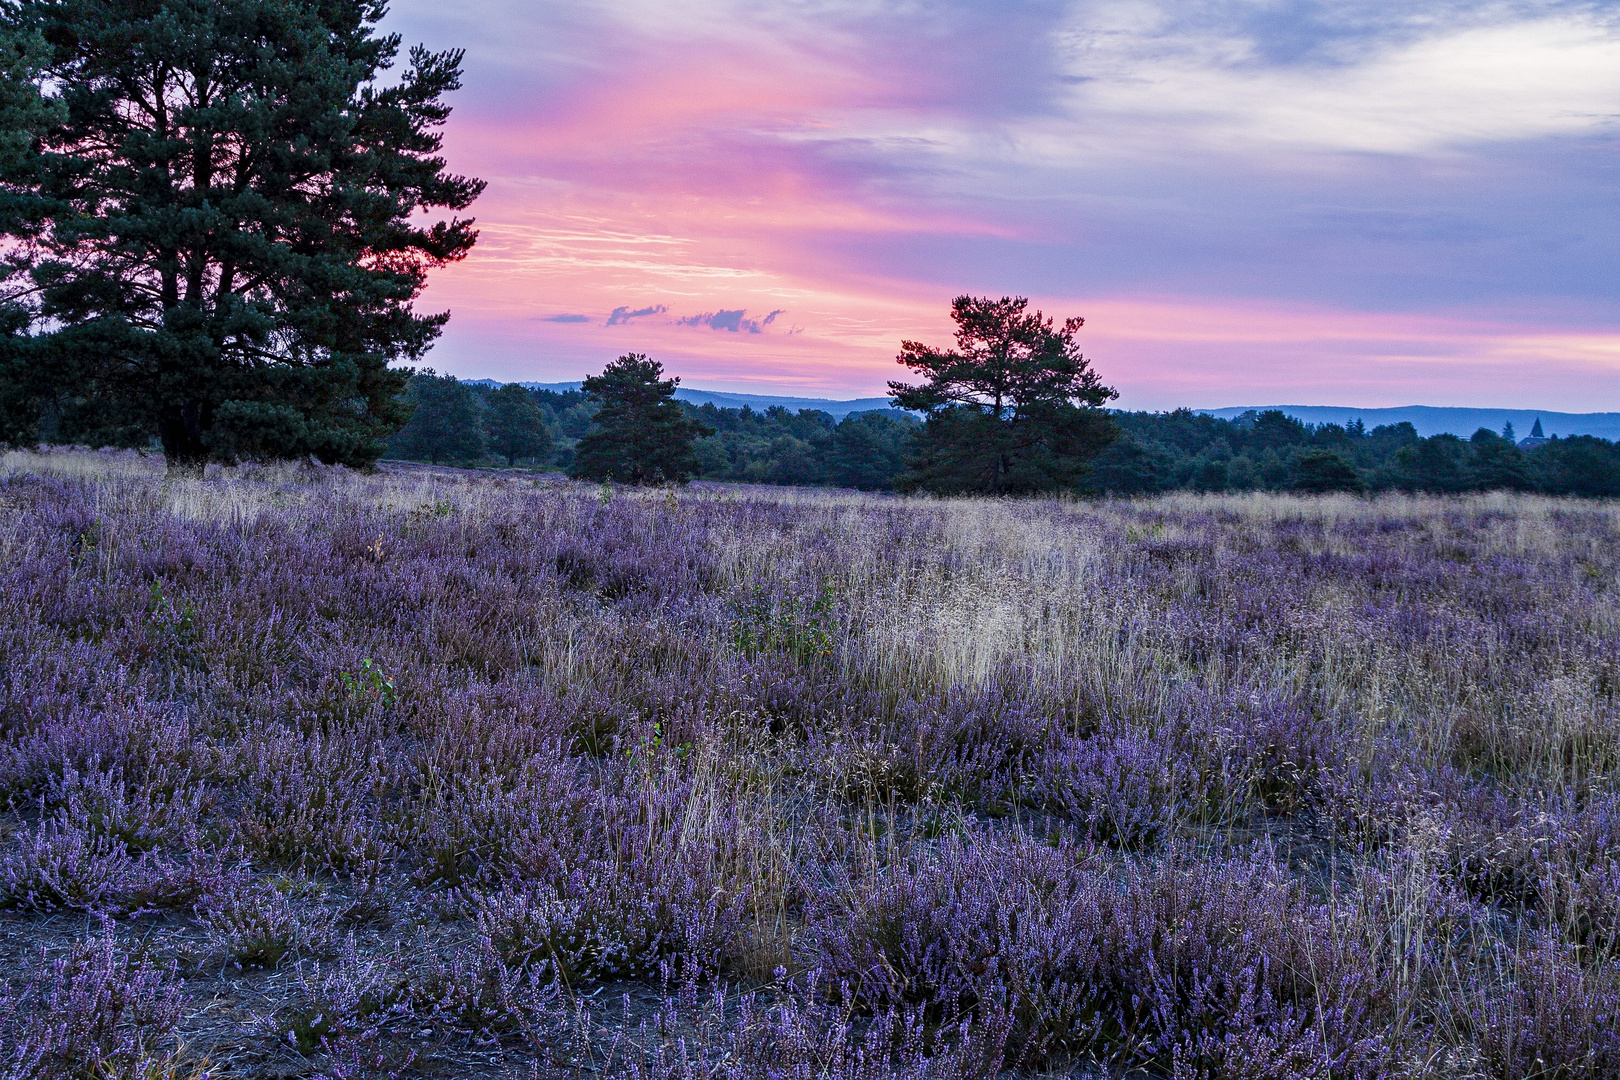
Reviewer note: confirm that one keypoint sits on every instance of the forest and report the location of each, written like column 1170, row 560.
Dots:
column 461, row 423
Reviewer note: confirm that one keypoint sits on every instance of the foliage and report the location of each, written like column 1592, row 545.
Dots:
column 25, row 115
column 1269, row 451
column 803, row 629
column 640, row 434
column 445, row 421
column 370, row 684
column 775, row 446
column 1319, row 469
column 1015, row 409
column 516, row 426
column 214, row 222
column 1155, row 452
column 1578, row 465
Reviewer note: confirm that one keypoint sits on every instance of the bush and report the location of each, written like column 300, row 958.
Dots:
column 1222, row 967
column 92, row 1013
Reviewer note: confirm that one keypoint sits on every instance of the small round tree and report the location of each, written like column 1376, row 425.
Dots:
column 516, row 425
column 444, row 424
column 1319, row 470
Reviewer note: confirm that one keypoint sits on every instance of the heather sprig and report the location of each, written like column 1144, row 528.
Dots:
column 94, row 1012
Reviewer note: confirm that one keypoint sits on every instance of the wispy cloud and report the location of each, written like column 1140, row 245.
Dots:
column 1493, row 78
column 621, row 315
column 566, row 318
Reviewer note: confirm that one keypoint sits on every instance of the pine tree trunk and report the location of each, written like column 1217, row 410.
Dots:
column 180, row 429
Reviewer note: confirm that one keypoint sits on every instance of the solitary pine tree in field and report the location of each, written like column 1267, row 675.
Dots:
column 516, row 426
column 209, row 206
column 1014, row 409
column 640, row 435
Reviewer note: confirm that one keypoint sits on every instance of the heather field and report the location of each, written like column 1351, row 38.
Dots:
column 425, row 772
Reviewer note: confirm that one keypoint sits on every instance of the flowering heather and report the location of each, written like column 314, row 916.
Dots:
column 424, row 772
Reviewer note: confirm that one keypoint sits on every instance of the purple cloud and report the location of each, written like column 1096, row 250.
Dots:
column 621, row 315
column 566, row 318
column 732, row 321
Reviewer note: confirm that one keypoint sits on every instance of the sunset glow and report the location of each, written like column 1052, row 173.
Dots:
column 1352, row 204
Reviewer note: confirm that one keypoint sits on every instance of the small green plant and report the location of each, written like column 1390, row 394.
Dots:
column 604, row 494
column 438, row 508
column 801, row 629
column 175, row 621
column 86, row 543
column 370, row 684
column 655, row 744
column 258, row 927
column 308, row 1029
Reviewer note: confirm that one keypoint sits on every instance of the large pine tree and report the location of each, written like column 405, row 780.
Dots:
column 211, row 221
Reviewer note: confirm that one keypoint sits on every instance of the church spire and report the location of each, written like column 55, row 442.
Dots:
column 1535, row 432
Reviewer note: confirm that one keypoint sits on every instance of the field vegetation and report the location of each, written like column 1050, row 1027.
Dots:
column 426, row 772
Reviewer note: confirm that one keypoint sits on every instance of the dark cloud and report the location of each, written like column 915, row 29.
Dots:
column 767, row 320
column 566, row 318
column 624, row 314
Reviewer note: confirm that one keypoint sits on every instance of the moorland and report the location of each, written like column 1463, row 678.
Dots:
column 312, row 772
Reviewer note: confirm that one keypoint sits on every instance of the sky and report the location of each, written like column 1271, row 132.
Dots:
column 1352, row 202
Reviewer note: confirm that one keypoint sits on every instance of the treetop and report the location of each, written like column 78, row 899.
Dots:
column 1007, row 360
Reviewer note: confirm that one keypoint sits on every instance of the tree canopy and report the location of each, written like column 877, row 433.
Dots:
column 1015, row 408
column 1319, row 469
column 445, row 425
column 640, row 434
column 516, row 426
column 210, row 207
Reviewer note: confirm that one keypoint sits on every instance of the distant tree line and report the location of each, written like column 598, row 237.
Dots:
column 1012, row 409
column 472, row 424
column 460, row 423
column 864, row 450
column 465, row 423
column 1270, row 451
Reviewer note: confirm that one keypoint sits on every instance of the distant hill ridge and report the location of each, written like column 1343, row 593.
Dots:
column 1427, row 419
column 723, row 400
column 1444, row 420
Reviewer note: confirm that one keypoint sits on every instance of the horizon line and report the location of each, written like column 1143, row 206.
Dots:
column 775, row 392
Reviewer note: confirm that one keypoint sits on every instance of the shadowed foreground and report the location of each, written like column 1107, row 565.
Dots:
column 313, row 773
